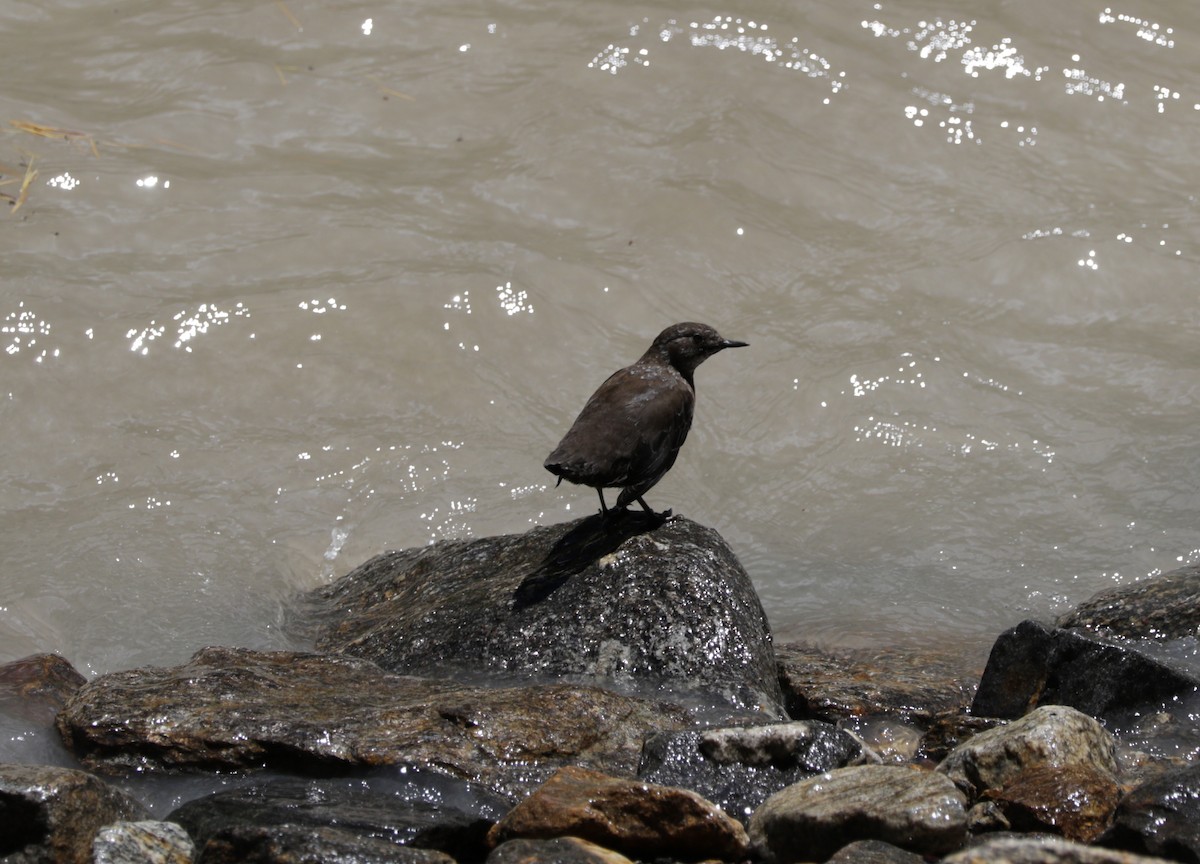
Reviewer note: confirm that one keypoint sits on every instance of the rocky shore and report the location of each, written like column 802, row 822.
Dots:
column 594, row 692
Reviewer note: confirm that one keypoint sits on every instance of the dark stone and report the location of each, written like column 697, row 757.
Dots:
column 1161, row 818
column 285, row 814
column 629, row 601
column 1016, row 672
column 740, row 768
column 302, row 844
column 232, row 708
column 51, row 814
column 1031, row 665
column 1166, row 606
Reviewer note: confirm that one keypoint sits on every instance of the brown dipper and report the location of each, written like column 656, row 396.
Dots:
column 628, row 434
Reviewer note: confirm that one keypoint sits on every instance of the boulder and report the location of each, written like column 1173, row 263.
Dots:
column 630, row 601
column 1053, row 736
column 238, row 709
column 51, row 814
column 637, row 819
column 1033, row 665
column 146, row 842
column 1161, row 817
column 920, row 811
column 739, row 768
column 1166, row 606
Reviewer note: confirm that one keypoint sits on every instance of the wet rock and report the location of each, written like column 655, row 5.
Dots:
column 1161, row 817
column 1042, row 850
column 739, row 768
column 629, row 601
column 641, row 820
column 1074, row 801
column 1053, row 736
column 1032, row 665
column 52, row 814
column 559, row 850
column 451, row 820
column 145, row 842
column 920, row 811
column 915, row 686
column 231, row 708
column 874, row 852
column 301, row 844
column 45, row 680
column 32, row 690
column 1166, row 606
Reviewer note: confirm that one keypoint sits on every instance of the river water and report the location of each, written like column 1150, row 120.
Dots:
column 298, row 282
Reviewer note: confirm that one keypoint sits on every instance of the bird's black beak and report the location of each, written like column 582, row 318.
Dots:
column 730, row 343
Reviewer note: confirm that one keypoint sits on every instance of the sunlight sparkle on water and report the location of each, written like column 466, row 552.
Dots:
column 188, row 326
column 25, row 328
column 63, row 181
column 513, row 301
column 1149, row 31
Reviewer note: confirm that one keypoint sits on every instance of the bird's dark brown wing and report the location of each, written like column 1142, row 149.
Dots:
column 629, row 432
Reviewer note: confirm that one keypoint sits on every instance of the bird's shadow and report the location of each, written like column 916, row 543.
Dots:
column 586, row 543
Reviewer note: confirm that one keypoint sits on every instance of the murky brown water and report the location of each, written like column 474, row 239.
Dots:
column 311, row 282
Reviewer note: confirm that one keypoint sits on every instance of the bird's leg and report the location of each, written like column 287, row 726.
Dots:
column 666, row 514
column 603, row 506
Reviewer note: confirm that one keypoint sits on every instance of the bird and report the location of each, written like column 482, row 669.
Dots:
column 629, row 432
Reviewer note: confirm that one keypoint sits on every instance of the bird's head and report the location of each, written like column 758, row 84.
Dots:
column 685, row 346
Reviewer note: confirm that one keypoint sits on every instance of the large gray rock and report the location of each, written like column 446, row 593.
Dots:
column 1161, row 817
column 1052, row 736
column 51, row 814
column 231, row 708
column 630, row 601
column 920, row 811
column 738, row 768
